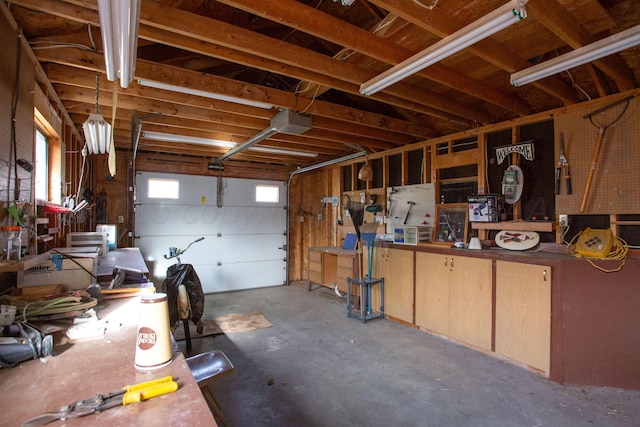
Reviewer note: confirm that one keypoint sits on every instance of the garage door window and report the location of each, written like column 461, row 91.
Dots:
column 163, row 188
column 267, row 193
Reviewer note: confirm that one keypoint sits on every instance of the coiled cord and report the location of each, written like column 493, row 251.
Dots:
column 618, row 253
column 58, row 305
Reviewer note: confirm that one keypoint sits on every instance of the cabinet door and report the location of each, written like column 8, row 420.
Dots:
column 432, row 292
column 470, row 301
column 523, row 313
column 398, row 284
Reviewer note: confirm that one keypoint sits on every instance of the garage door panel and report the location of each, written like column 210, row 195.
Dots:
column 232, row 277
column 242, row 242
column 169, row 220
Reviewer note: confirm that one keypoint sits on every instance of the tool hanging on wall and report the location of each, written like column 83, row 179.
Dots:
column 562, row 163
column 601, row 131
column 411, row 204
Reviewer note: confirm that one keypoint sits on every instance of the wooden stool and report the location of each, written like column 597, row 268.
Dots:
column 207, row 367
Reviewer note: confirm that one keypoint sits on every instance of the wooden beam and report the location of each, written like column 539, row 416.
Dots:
column 442, row 24
column 564, row 24
column 153, row 162
column 380, row 124
column 208, row 30
column 319, row 24
column 207, row 36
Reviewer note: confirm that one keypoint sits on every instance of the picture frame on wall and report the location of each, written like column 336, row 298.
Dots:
column 452, row 223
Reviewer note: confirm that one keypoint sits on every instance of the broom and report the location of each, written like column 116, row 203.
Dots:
column 356, row 211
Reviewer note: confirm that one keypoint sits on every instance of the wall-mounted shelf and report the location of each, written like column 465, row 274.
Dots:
column 539, row 226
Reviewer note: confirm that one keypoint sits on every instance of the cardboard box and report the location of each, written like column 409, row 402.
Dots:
column 487, row 208
column 61, row 270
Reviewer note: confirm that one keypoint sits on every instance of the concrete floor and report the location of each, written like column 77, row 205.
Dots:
column 315, row 367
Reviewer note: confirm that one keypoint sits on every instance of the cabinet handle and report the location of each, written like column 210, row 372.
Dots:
column 544, row 275
column 451, row 262
column 446, row 264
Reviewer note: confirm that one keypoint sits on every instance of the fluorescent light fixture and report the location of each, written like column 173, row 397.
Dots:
column 169, row 137
column 484, row 27
column 198, row 92
column 97, row 133
column 119, row 21
column 263, row 134
column 607, row 46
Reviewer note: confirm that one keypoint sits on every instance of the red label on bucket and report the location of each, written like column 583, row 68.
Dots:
column 146, row 338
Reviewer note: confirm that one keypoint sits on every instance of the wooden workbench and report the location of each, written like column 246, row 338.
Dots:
column 82, row 370
column 329, row 265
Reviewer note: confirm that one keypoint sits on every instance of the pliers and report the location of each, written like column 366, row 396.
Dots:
column 562, row 163
column 101, row 402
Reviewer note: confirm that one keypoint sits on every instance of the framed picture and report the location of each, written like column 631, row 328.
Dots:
column 452, row 222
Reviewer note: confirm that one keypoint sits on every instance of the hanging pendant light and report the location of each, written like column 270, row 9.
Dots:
column 97, row 131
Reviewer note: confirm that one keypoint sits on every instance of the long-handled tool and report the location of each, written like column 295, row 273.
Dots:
column 410, row 203
column 101, row 402
column 562, row 163
column 601, row 131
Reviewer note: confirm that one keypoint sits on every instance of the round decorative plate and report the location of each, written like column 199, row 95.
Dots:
column 517, row 240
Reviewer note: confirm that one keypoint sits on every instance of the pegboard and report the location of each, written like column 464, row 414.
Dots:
column 422, row 212
column 614, row 188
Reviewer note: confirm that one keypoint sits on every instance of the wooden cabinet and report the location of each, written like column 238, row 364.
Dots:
column 454, row 297
column 523, row 313
column 432, row 292
column 396, row 266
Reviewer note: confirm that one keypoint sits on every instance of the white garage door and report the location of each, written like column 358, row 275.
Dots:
column 243, row 240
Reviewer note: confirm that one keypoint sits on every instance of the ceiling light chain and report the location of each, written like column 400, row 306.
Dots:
column 97, row 92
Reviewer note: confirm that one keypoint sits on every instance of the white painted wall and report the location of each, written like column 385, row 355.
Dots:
column 243, row 238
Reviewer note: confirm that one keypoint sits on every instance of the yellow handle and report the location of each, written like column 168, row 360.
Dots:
column 148, row 383
column 139, row 395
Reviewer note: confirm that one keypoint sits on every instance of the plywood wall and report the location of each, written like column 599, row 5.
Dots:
column 310, row 221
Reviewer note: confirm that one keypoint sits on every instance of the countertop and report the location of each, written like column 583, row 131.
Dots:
column 99, row 366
